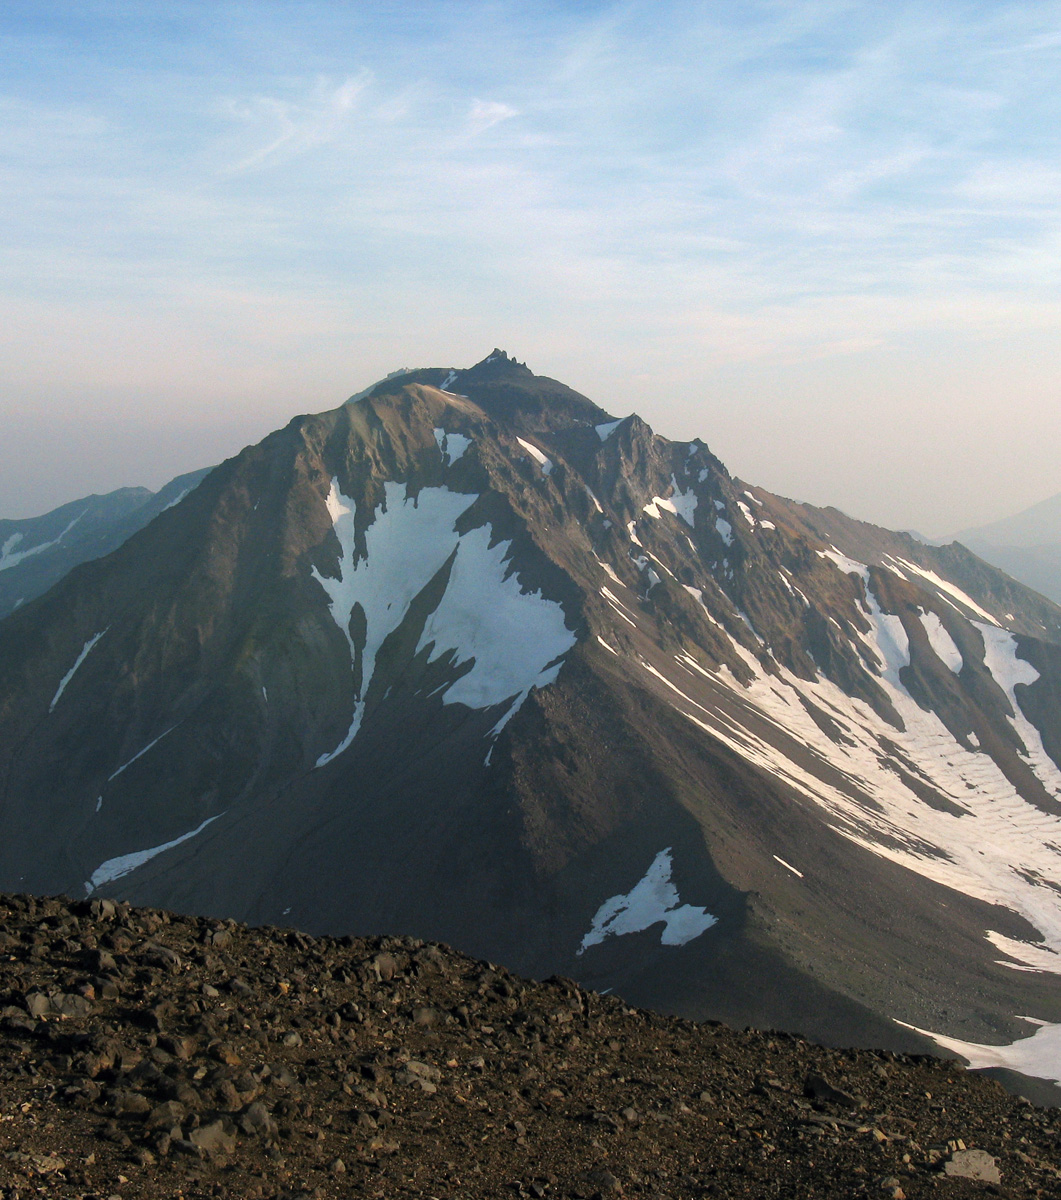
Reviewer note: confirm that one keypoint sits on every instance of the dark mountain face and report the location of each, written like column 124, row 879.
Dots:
column 35, row 553
column 470, row 659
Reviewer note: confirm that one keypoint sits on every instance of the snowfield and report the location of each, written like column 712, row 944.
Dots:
column 507, row 640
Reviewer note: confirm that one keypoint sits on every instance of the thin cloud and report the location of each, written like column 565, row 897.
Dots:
column 302, row 125
column 485, row 114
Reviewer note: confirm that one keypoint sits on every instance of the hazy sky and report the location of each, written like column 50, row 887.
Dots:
column 823, row 236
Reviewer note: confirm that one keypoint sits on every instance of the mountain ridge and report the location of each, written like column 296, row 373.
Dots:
column 520, row 680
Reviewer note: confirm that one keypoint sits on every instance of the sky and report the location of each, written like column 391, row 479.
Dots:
column 823, row 236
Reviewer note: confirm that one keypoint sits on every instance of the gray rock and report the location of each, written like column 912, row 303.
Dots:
column 973, row 1164
column 166, row 1115
column 385, row 965
column 424, row 1070
column 257, row 1121
column 213, row 1139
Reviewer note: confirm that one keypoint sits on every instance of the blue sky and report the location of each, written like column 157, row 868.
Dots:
column 823, row 236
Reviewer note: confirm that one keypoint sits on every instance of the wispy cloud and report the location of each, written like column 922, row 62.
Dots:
column 296, row 126
column 732, row 187
column 484, row 114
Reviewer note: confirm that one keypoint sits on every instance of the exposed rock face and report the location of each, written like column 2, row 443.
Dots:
column 471, row 659
column 209, row 1059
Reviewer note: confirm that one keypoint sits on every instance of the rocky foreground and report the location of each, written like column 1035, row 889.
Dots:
column 148, row 1055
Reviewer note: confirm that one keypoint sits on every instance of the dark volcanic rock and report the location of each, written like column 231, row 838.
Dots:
column 517, row 1088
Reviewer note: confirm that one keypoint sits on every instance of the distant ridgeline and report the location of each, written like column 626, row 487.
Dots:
column 37, row 552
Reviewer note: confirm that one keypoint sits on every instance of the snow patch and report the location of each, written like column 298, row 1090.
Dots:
column 649, row 902
column 1038, row 1055
column 951, row 590
column 140, row 754
column 511, row 638
column 1000, row 658
column 451, row 445
column 849, row 566
column 605, row 430
column 116, row 868
column 942, row 642
column 77, row 662
column 10, row 557
column 725, row 530
column 682, row 504
column 539, row 457
column 787, row 866
column 406, row 546
column 178, row 498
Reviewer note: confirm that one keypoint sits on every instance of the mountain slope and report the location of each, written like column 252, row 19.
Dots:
column 168, row 1056
column 37, row 552
column 469, row 658
column 1027, row 545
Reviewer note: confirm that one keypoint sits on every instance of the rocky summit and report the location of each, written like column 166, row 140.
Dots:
column 472, row 660
column 145, row 1055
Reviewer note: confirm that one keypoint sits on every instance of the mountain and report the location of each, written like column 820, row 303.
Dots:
column 1026, row 545
column 37, row 552
column 472, row 659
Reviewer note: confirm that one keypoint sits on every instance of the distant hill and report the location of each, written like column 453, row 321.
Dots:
column 37, row 552
column 1026, row 545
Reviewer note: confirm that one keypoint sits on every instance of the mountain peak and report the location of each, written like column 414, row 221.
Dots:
column 497, row 363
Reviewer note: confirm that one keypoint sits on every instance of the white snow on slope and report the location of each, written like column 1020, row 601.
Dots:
column 177, row 499
column 1000, row 658
column 942, row 642
column 788, row 866
column 946, row 586
column 407, row 545
column 607, row 428
column 848, row 565
column 140, row 754
column 447, row 381
column 649, row 902
column 451, row 445
column 994, row 845
column 539, row 457
column 725, row 530
column 1038, row 1055
column 508, row 636
column 747, row 512
column 77, row 662
column 682, row 504
column 124, row 864
column 10, row 557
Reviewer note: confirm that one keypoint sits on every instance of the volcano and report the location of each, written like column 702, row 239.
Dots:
column 470, row 659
